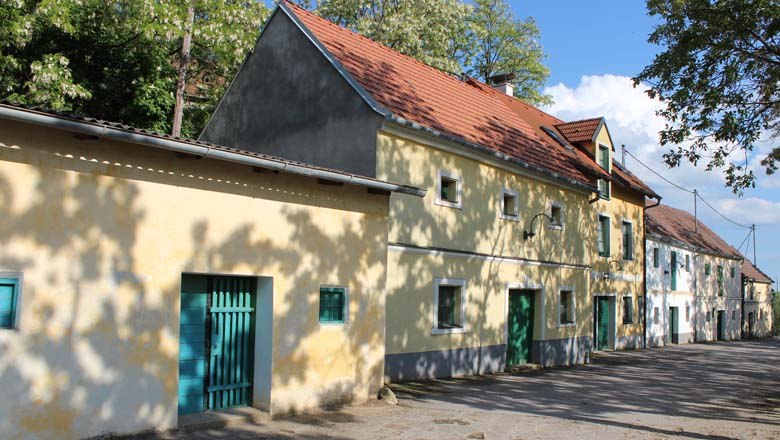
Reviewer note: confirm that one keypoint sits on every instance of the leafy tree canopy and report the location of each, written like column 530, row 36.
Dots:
column 718, row 76
column 116, row 59
column 483, row 39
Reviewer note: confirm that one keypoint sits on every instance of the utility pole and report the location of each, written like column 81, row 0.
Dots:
column 753, row 231
column 184, row 62
column 695, row 211
column 623, row 151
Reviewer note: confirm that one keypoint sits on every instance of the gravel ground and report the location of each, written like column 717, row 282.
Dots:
column 700, row 391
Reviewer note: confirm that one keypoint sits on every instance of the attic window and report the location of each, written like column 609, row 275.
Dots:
column 448, row 190
column 557, row 138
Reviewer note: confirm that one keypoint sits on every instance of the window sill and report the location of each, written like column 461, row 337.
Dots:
column 513, row 218
column 448, row 331
column 333, row 324
column 555, row 227
column 628, row 323
column 447, row 203
column 566, row 324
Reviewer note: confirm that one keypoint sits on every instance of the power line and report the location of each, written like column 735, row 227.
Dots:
column 659, row 175
column 695, row 193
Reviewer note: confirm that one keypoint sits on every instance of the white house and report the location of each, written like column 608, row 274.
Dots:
column 693, row 281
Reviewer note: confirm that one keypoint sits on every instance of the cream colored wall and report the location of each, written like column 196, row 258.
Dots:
column 708, row 285
column 761, row 307
column 477, row 228
column 622, row 206
column 707, row 298
column 410, row 300
column 103, row 231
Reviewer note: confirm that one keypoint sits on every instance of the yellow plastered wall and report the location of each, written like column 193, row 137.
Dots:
column 626, row 275
column 102, row 233
column 477, row 227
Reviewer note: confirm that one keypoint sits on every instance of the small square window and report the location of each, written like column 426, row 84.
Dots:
column 333, row 304
column 566, row 305
column 556, row 214
column 510, row 204
column 656, row 258
column 449, row 306
column 707, row 269
column 708, row 316
column 9, row 299
column 687, row 263
column 733, row 271
column 628, row 310
column 449, row 190
column 733, row 315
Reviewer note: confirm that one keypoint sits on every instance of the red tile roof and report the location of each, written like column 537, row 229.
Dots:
column 680, row 226
column 579, row 131
column 751, row 271
column 461, row 108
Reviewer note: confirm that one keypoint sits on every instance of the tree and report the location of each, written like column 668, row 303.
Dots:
column 118, row 59
column 483, row 40
column 718, row 77
column 502, row 44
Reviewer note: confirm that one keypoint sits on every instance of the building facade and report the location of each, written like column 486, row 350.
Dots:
column 757, row 302
column 144, row 277
column 495, row 266
column 693, row 281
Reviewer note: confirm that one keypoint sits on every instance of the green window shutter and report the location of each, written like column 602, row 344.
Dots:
column 332, row 304
column 707, row 269
column 628, row 241
column 656, row 258
column 628, row 310
column 604, row 238
column 9, row 291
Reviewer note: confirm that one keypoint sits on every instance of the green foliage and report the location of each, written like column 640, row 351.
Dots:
column 483, row 40
column 502, row 44
column 116, row 59
column 719, row 79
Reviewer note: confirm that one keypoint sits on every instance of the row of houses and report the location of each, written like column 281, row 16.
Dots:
column 348, row 217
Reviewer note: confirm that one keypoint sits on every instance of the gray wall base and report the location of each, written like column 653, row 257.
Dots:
column 555, row 352
column 445, row 363
column 628, row 343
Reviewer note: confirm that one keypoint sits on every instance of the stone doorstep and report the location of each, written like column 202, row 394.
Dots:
column 525, row 368
column 222, row 419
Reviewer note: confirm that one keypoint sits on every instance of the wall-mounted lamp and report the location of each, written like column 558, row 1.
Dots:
column 531, row 234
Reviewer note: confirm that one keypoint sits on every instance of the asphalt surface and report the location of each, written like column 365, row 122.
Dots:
column 699, row 391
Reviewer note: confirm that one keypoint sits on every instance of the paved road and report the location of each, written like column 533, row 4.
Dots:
column 699, row 391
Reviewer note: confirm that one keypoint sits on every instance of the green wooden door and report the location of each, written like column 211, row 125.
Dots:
column 674, row 270
column 520, row 327
column 216, row 345
column 721, row 325
column 674, row 332
column 602, row 323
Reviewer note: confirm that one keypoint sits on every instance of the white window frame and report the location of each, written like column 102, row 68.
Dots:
column 504, row 192
column 609, row 241
column 458, row 183
column 346, row 305
column 562, row 207
column 19, row 276
column 573, row 307
column 449, row 282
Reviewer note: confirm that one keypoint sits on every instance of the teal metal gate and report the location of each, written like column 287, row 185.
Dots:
column 216, row 342
column 231, row 307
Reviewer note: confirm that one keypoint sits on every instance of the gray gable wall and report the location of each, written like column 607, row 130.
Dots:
column 289, row 101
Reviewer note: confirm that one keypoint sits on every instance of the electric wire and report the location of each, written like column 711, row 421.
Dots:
column 695, row 193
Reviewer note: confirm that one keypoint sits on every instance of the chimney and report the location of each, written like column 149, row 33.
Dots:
column 503, row 83
column 507, row 88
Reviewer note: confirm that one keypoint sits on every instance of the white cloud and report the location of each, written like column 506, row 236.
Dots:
column 750, row 210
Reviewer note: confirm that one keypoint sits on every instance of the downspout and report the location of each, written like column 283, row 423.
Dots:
column 208, row 151
column 644, row 270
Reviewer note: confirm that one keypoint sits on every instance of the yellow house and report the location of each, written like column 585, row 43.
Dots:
column 498, row 264
column 757, row 311
column 144, row 277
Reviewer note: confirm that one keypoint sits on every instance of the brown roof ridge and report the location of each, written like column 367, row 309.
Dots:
column 680, row 225
column 752, row 271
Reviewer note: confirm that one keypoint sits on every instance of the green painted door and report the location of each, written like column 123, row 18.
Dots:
column 602, row 323
column 674, row 270
column 520, row 327
column 721, row 325
column 216, row 345
column 674, row 332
